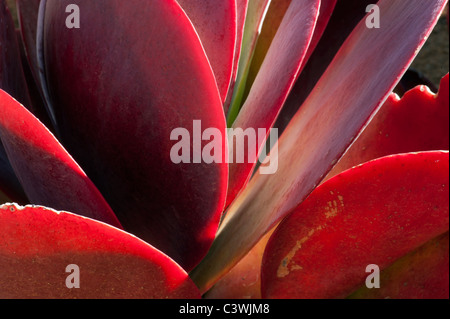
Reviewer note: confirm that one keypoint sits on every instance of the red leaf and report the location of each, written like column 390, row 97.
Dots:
column 275, row 14
column 46, row 171
column 372, row 214
column 346, row 16
column 326, row 10
column 272, row 84
column 255, row 10
column 37, row 244
column 215, row 22
column 417, row 122
column 241, row 11
column 118, row 101
column 355, row 85
column 422, row 274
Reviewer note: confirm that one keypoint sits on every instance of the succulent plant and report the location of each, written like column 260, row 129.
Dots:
column 98, row 97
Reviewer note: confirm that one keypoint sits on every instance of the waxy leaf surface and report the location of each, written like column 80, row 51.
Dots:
column 345, row 17
column 272, row 21
column 119, row 100
column 215, row 22
column 355, row 85
column 422, row 274
column 38, row 244
column 47, row 173
column 253, row 20
column 416, row 122
column 272, row 85
column 372, row 214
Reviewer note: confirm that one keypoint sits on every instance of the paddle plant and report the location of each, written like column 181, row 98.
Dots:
column 93, row 94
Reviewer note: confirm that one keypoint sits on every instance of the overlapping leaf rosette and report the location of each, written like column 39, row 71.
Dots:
column 87, row 178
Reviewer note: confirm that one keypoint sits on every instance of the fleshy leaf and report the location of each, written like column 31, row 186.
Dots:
column 37, row 246
column 272, row 85
column 355, row 85
column 12, row 78
column 243, row 281
column 241, row 11
column 417, row 122
column 422, row 274
column 275, row 14
column 326, row 11
column 373, row 214
column 253, row 20
column 117, row 117
column 10, row 188
column 47, row 173
column 215, row 22
column 346, row 16
column 28, row 11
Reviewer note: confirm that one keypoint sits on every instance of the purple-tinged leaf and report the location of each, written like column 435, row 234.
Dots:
column 50, row 254
column 275, row 14
column 326, row 10
column 12, row 78
column 422, row 274
column 28, row 11
column 47, row 173
column 215, row 23
column 354, row 86
column 272, row 85
column 241, row 10
column 253, row 21
column 346, row 15
column 119, row 100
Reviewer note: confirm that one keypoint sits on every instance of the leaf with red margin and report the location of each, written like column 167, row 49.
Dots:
column 119, row 102
column 345, row 17
column 275, row 14
column 47, row 173
column 422, row 274
column 326, row 10
column 272, row 86
column 10, row 188
column 241, row 11
column 28, row 11
column 37, row 244
column 253, row 20
column 375, row 213
column 417, row 122
column 215, row 22
column 12, row 78
column 37, row 102
column 355, row 85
